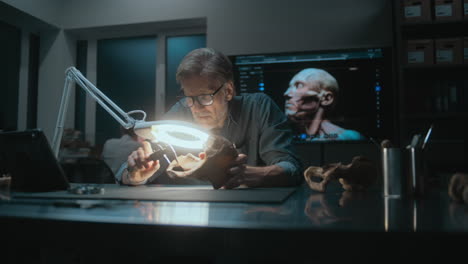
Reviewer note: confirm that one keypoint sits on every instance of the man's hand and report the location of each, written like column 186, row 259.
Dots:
column 139, row 167
column 243, row 175
column 236, row 172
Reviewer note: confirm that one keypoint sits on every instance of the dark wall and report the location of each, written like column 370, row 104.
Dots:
column 10, row 40
column 33, row 77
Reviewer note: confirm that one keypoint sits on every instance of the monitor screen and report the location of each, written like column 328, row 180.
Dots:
column 339, row 95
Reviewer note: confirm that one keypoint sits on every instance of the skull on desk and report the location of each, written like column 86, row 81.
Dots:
column 211, row 164
column 458, row 187
column 355, row 176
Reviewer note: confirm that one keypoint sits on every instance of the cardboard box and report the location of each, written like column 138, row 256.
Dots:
column 465, row 50
column 416, row 11
column 449, row 51
column 465, row 9
column 448, row 10
column 420, row 52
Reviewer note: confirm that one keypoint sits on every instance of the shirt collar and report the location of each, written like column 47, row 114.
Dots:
column 234, row 110
column 232, row 117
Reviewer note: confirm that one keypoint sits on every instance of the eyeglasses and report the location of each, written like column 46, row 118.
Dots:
column 204, row 99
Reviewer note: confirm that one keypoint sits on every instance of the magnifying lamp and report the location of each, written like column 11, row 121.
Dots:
column 163, row 134
column 167, row 134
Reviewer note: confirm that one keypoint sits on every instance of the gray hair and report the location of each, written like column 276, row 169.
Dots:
column 205, row 62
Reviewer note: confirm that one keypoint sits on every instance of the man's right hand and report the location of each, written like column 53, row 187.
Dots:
column 140, row 168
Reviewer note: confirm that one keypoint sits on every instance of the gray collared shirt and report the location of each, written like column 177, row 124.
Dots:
column 259, row 129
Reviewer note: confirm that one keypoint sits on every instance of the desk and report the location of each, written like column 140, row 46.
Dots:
column 335, row 225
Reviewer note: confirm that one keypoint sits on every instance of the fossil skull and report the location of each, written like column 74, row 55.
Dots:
column 211, row 164
column 355, row 176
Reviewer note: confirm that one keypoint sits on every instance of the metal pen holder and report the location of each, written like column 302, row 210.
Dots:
column 404, row 171
column 392, row 171
column 416, row 170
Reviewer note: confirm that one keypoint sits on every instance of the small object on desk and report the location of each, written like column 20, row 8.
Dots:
column 5, row 182
column 426, row 138
column 356, row 176
column 83, row 204
column 86, row 189
column 392, row 172
column 386, row 143
column 458, row 187
column 415, row 141
column 417, row 163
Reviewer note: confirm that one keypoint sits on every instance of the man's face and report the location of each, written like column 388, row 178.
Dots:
column 302, row 98
column 214, row 115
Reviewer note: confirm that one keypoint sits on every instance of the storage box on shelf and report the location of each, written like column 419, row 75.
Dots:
column 465, row 9
column 446, row 10
column 420, row 52
column 449, row 51
column 416, row 11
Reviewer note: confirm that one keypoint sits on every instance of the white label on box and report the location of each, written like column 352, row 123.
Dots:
column 465, row 53
column 413, row 11
column 443, row 10
column 465, row 7
column 415, row 56
column 444, row 55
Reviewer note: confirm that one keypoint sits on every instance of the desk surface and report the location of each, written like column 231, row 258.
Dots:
column 332, row 227
column 304, row 210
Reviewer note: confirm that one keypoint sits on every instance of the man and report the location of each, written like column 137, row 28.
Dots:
column 309, row 100
column 253, row 123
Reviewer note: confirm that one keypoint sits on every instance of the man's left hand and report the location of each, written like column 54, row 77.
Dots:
column 252, row 176
column 236, row 172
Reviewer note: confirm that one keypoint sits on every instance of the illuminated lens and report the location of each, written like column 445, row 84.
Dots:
column 180, row 136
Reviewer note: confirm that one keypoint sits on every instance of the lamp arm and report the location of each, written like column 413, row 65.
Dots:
column 74, row 75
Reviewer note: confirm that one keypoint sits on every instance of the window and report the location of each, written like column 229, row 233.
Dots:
column 177, row 48
column 126, row 73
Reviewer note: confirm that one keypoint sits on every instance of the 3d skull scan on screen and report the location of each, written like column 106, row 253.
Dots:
column 329, row 95
column 309, row 101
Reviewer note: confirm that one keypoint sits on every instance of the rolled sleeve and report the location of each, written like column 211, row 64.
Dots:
column 292, row 171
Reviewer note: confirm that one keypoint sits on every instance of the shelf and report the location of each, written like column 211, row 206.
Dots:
column 435, row 29
column 434, row 22
column 436, row 116
column 435, row 67
column 423, row 89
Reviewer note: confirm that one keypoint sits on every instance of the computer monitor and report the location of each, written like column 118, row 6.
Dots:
column 28, row 158
column 362, row 105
